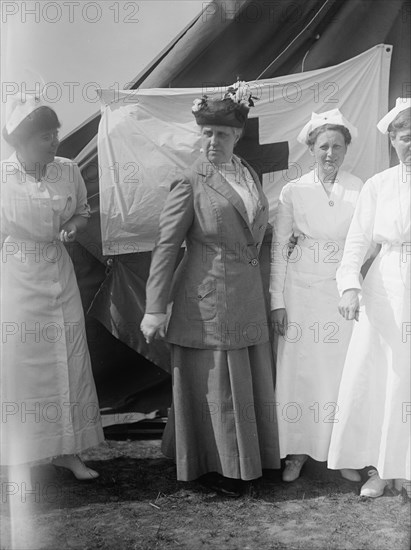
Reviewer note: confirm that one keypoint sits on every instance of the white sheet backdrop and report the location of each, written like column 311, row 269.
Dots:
column 147, row 136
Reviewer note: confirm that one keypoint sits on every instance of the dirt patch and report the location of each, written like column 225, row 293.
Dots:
column 137, row 504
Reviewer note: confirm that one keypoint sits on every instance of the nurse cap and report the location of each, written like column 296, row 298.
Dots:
column 329, row 117
column 20, row 109
column 401, row 104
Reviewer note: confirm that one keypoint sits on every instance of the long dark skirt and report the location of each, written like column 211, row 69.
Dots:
column 223, row 417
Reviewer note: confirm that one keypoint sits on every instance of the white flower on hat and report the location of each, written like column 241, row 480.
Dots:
column 199, row 104
column 240, row 92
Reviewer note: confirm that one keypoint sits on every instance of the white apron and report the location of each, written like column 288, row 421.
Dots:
column 374, row 402
column 311, row 355
column 49, row 401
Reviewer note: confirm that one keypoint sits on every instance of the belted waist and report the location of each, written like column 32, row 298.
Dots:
column 315, row 259
column 399, row 247
column 318, row 250
column 395, row 245
column 309, row 242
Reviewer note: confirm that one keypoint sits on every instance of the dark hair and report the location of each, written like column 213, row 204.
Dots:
column 401, row 122
column 42, row 119
column 312, row 136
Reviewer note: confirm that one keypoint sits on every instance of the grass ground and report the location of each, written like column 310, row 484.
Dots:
column 137, row 504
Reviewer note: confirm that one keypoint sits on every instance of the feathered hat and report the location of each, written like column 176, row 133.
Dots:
column 232, row 110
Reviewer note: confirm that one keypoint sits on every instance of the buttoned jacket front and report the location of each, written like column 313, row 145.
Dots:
column 218, row 298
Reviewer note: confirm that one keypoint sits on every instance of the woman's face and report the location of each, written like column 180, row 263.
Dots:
column 218, row 143
column 329, row 151
column 40, row 148
column 402, row 145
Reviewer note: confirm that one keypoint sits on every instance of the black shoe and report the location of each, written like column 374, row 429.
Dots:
column 225, row 486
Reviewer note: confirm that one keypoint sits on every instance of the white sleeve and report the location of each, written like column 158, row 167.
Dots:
column 82, row 208
column 359, row 239
column 283, row 230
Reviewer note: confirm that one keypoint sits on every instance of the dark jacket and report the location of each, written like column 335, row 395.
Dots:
column 218, row 295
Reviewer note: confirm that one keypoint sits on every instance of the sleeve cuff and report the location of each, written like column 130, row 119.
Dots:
column 348, row 281
column 84, row 211
column 277, row 300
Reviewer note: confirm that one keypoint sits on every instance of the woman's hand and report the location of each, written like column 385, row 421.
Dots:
column 349, row 305
column 68, row 232
column 153, row 325
column 279, row 321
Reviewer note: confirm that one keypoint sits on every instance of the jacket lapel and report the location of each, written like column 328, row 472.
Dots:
column 212, row 177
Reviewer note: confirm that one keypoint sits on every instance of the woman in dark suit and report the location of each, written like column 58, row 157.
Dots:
column 223, row 420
